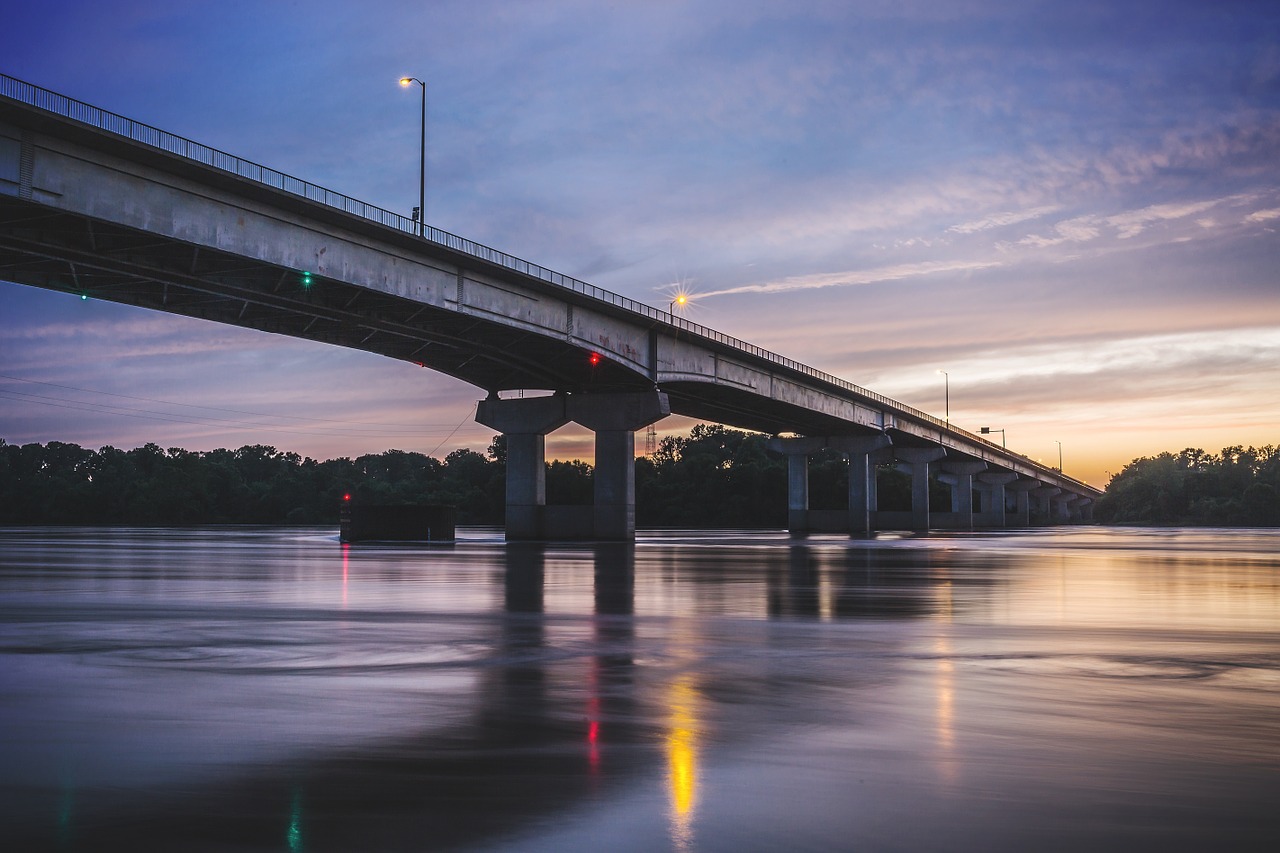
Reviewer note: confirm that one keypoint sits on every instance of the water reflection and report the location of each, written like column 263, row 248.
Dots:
column 747, row 692
column 948, row 765
column 682, row 758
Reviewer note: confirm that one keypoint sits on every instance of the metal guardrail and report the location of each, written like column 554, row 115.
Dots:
column 96, row 117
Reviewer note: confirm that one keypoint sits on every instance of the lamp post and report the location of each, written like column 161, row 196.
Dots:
column 946, row 379
column 680, row 299
column 422, row 165
column 1059, row 443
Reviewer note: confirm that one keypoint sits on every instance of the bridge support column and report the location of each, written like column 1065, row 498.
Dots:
column 919, row 459
column 861, row 451
column 797, row 451
column 1065, row 505
column 953, row 493
column 1086, row 510
column 1044, row 503
column 614, row 418
column 1022, row 490
column 992, row 484
column 525, row 423
column 962, row 488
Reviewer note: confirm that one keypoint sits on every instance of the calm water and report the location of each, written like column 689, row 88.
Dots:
column 272, row 689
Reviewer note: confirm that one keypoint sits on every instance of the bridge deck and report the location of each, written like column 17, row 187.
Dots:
column 97, row 204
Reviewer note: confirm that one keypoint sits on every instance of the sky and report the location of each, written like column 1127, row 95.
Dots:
column 1070, row 208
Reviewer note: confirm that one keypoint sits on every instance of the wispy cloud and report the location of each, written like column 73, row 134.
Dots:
column 1127, row 225
column 856, row 277
column 1004, row 219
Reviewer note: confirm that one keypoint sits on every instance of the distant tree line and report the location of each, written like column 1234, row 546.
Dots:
column 1239, row 487
column 60, row 483
column 713, row 477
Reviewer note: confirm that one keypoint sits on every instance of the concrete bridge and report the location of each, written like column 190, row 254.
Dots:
column 97, row 204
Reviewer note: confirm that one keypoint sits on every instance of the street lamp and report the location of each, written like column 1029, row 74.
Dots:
column 947, row 388
column 681, row 299
column 1059, row 443
column 421, row 212
column 989, row 430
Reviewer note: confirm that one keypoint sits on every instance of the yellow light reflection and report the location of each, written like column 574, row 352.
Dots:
column 682, row 760
column 948, row 765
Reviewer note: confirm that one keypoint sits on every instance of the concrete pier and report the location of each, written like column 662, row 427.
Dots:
column 919, row 458
column 615, row 418
column 525, row 422
column 992, row 484
column 960, row 475
column 797, row 451
column 862, row 454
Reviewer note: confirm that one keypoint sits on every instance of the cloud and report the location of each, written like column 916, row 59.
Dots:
column 1129, row 224
column 855, row 277
column 1132, row 223
column 1001, row 220
column 1079, row 230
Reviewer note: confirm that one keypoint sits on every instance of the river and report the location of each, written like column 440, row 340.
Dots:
column 272, row 689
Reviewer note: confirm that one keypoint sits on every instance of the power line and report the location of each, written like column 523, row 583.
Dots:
column 465, row 418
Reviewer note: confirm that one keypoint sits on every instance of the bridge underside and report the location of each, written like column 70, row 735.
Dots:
column 75, row 254
column 89, row 257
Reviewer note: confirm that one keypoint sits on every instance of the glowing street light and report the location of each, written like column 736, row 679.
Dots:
column 420, row 213
column 681, row 299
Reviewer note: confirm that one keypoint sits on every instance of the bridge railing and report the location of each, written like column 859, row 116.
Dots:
column 96, row 117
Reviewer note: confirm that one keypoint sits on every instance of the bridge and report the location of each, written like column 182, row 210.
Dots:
column 100, row 205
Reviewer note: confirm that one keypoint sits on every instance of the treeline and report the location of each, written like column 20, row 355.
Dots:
column 1239, row 487
column 60, row 483
column 714, row 477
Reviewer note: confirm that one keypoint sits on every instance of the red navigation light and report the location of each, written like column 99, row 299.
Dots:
column 594, row 358
column 347, row 496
